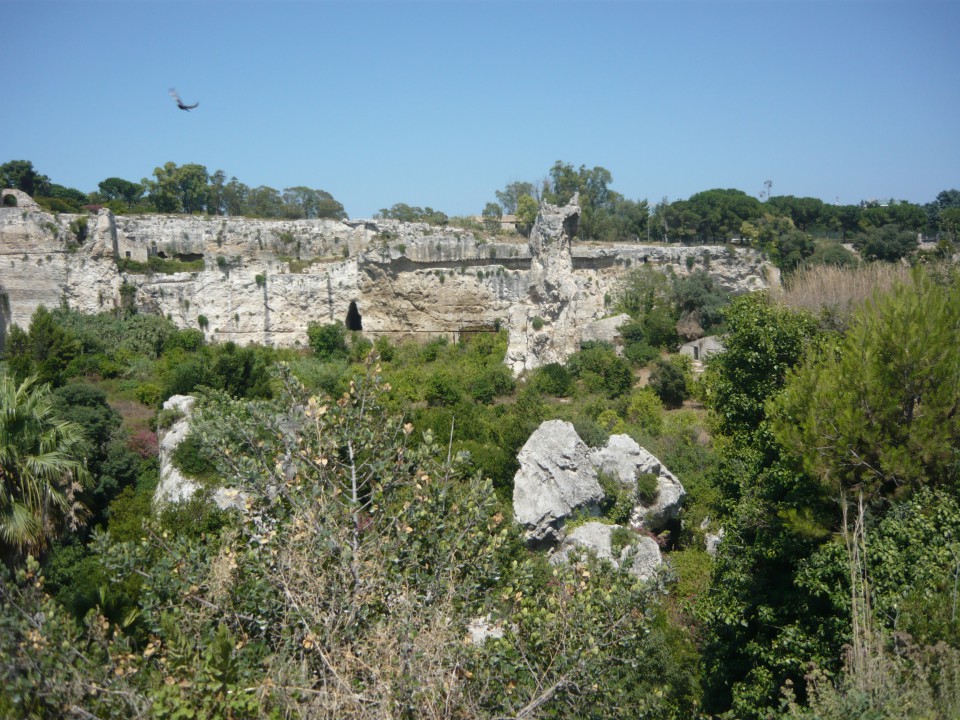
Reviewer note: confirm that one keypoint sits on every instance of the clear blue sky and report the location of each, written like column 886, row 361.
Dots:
column 441, row 103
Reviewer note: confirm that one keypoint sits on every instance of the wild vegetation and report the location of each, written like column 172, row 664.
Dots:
column 374, row 545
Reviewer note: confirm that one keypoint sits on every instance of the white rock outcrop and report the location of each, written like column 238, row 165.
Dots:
column 624, row 459
column 604, row 330
column 173, row 486
column 640, row 557
column 555, row 480
column 643, row 558
column 480, row 629
column 553, row 291
column 558, row 477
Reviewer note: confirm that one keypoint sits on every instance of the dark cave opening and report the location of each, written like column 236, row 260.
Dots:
column 354, row 321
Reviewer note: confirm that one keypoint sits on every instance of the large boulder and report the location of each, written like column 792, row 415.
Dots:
column 604, row 330
column 554, row 481
column 174, row 486
column 559, row 476
column 640, row 557
column 625, row 460
column 593, row 537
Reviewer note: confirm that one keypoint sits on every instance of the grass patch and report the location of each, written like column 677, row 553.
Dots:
column 159, row 265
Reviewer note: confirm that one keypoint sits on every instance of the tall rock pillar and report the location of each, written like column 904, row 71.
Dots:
column 547, row 330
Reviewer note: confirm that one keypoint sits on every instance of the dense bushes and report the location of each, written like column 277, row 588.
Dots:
column 377, row 525
column 328, row 342
column 601, row 370
column 365, row 569
column 670, row 380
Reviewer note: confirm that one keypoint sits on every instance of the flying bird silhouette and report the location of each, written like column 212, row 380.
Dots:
column 173, row 94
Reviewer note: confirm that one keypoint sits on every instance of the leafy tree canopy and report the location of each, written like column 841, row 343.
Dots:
column 877, row 411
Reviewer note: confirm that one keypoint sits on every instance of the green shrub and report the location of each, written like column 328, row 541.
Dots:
column 692, row 568
column 192, row 460
column 602, row 371
column 620, row 538
column 442, row 389
column 640, row 354
column 481, row 390
column 618, row 499
column 590, row 432
column 611, row 422
column 632, row 332
column 660, row 325
column 832, row 253
column 189, row 339
column 79, row 229
column 669, row 381
column 431, row 351
column 384, row 348
column 645, row 409
column 537, row 323
column 360, row 347
column 647, row 488
column 552, row 379
column 327, row 376
column 328, row 342
column 148, row 394
column 185, row 376
column 168, row 416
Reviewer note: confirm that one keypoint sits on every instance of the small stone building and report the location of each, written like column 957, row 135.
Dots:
column 702, row 348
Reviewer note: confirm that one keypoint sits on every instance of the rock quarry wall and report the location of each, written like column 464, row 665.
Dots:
column 264, row 281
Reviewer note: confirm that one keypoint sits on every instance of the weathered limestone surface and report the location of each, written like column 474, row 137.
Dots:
column 265, row 280
column 553, row 293
column 173, row 486
column 605, row 329
column 558, row 478
column 555, row 480
column 623, row 458
column 641, row 557
column 20, row 199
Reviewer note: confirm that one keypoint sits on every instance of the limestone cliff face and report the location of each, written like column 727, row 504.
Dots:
column 266, row 280
column 41, row 263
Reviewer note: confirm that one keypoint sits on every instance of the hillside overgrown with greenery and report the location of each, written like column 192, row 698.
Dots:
column 374, row 541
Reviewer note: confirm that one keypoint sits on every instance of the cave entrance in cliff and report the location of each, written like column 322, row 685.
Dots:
column 354, row 321
column 10, row 200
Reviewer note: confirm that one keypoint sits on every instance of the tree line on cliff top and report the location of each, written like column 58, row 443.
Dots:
column 787, row 227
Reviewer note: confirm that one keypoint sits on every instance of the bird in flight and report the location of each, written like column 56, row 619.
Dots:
column 173, row 94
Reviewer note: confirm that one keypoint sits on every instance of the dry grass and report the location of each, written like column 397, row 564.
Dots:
column 136, row 416
column 835, row 291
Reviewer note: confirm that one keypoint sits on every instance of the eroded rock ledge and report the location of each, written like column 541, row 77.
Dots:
column 265, row 280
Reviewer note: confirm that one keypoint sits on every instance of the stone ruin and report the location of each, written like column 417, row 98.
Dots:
column 9, row 197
